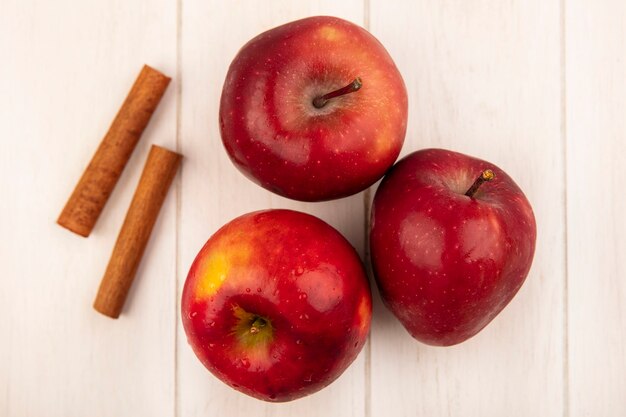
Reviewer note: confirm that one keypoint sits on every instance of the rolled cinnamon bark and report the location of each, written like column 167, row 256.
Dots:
column 97, row 182
column 156, row 179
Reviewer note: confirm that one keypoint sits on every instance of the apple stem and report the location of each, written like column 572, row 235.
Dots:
column 485, row 176
column 321, row 101
column 257, row 325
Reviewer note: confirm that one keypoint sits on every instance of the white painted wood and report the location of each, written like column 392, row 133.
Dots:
column 65, row 69
column 596, row 162
column 484, row 79
column 214, row 192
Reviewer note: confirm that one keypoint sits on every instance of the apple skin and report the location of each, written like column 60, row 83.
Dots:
column 447, row 264
column 302, row 277
column 277, row 138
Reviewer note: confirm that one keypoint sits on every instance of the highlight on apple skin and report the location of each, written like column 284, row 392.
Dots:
column 277, row 304
column 452, row 241
column 314, row 109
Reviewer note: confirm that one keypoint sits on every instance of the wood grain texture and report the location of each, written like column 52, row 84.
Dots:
column 483, row 79
column 596, row 167
column 66, row 67
column 214, row 192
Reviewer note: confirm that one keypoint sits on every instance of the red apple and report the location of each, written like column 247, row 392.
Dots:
column 314, row 109
column 277, row 304
column 452, row 241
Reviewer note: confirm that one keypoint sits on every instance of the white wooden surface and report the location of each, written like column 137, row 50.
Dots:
column 537, row 87
column 596, row 164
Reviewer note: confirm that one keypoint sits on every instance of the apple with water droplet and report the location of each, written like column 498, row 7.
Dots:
column 277, row 304
column 452, row 241
column 314, row 109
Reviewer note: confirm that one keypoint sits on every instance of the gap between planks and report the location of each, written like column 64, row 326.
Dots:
column 565, row 312
column 179, row 194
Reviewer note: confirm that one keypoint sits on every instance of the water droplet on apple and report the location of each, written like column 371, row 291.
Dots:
column 258, row 289
column 298, row 342
column 245, row 362
column 299, row 270
column 272, row 396
column 193, row 314
column 247, row 289
column 212, row 323
column 211, row 345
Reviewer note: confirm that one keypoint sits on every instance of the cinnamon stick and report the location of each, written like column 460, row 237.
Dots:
column 97, row 182
column 156, row 179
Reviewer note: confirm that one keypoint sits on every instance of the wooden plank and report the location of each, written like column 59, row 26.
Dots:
column 596, row 164
column 214, row 192
column 484, row 79
column 66, row 69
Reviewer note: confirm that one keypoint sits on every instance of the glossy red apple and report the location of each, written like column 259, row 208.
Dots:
column 276, row 304
column 452, row 241
column 314, row 109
